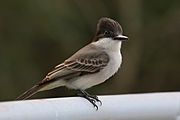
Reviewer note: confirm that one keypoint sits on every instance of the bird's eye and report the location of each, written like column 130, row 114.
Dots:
column 106, row 33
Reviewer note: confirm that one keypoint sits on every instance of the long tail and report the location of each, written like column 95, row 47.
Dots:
column 46, row 84
column 41, row 86
column 29, row 93
column 36, row 88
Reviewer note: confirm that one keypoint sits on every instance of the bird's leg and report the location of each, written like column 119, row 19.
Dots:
column 91, row 98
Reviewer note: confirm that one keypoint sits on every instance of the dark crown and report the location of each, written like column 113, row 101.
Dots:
column 107, row 27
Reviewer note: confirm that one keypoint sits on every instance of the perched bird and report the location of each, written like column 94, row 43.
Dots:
column 90, row 66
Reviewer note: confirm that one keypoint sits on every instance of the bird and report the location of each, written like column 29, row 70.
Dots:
column 91, row 65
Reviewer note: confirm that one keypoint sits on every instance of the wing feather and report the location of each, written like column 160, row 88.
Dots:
column 89, row 64
column 84, row 65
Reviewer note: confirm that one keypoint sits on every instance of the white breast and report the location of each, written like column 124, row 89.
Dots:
column 112, row 48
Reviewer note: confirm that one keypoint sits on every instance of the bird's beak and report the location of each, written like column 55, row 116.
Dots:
column 121, row 38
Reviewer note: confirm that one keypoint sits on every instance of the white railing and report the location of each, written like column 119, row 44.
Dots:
column 152, row 106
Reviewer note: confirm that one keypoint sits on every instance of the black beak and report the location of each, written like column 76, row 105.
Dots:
column 121, row 38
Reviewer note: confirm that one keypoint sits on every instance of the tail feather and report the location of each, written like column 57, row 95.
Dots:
column 36, row 88
column 46, row 84
column 29, row 93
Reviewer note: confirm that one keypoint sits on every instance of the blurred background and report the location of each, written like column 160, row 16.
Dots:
column 36, row 35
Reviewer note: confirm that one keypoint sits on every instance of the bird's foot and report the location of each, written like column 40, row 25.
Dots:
column 91, row 98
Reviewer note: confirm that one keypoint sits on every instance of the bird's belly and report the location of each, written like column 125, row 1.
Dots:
column 89, row 80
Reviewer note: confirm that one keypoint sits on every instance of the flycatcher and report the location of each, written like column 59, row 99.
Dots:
column 90, row 66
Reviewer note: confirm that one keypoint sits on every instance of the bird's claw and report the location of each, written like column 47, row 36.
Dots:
column 91, row 98
column 96, row 99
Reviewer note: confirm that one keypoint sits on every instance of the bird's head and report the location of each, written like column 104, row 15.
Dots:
column 109, row 28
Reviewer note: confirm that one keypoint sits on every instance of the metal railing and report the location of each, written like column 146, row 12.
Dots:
column 151, row 106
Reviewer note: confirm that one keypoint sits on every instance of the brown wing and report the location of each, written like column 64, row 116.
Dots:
column 86, row 65
column 71, row 67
